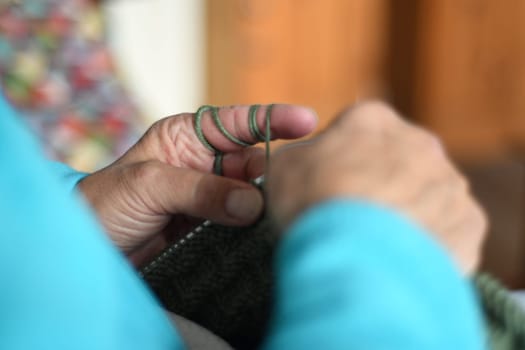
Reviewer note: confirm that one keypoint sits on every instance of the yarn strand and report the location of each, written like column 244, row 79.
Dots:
column 253, row 127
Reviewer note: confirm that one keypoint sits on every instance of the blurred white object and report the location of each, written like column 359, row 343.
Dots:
column 160, row 46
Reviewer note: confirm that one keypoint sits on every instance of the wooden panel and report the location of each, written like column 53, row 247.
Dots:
column 500, row 187
column 470, row 83
column 458, row 66
column 401, row 61
column 296, row 51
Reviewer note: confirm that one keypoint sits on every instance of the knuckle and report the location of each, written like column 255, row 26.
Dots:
column 430, row 148
column 477, row 219
column 376, row 110
column 432, row 140
column 427, row 141
column 371, row 115
column 156, row 132
column 457, row 181
column 232, row 113
column 374, row 106
column 481, row 219
column 461, row 183
column 156, row 126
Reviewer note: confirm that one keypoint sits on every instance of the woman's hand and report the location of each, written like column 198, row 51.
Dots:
column 371, row 154
column 166, row 177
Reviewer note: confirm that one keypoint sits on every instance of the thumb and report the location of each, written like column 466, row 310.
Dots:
column 171, row 190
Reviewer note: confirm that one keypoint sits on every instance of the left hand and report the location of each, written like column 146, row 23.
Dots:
column 166, row 177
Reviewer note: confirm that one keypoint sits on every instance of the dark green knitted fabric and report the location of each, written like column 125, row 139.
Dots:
column 221, row 278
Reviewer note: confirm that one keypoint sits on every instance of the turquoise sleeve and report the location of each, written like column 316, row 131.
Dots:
column 64, row 284
column 354, row 275
column 68, row 176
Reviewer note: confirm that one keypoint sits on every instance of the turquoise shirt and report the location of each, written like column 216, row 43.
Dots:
column 355, row 275
column 351, row 275
column 64, row 284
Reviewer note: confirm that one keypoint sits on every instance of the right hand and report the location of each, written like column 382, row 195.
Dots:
column 370, row 153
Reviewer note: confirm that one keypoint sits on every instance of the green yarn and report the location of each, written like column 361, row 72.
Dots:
column 217, row 164
column 226, row 133
column 198, row 128
column 252, row 124
column 252, row 121
column 268, row 134
column 504, row 318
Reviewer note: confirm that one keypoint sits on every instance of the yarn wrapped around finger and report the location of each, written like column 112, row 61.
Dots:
column 256, row 133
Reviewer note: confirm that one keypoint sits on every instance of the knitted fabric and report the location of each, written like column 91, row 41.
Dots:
column 221, row 278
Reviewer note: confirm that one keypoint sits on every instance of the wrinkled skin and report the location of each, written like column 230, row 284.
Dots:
column 370, row 153
column 151, row 194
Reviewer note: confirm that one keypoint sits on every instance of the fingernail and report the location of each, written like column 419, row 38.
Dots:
column 244, row 204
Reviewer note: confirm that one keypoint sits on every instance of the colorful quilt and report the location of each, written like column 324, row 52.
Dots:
column 56, row 68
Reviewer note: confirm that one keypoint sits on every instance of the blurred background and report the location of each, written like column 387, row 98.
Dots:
column 90, row 76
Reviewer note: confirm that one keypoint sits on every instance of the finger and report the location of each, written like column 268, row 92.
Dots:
column 170, row 190
column 246, row 164
column 173, row 140
column 286, row 121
